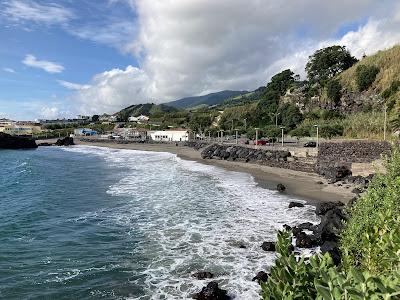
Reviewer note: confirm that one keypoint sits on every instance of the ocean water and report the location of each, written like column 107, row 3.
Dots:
column 98, row 223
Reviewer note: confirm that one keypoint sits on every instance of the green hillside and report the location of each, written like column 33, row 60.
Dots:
column 388, row 63
column 148, row 109
column 209, row 99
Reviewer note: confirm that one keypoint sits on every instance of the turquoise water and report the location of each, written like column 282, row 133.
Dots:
column 97, row 223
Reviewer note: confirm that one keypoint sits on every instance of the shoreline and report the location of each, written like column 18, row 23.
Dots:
column 300, row 184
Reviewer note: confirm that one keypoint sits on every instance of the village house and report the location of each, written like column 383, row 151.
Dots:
column 171, row 135
column 139, row 119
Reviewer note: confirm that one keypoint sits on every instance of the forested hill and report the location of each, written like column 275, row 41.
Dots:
column 148, row 109
column 209, row 99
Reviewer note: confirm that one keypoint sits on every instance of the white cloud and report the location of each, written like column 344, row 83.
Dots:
column 27, row 10
column 195, row 47
column 112, row 90
column 9, row 70
column 48, row 66
column 73, row 86
column 49, row 112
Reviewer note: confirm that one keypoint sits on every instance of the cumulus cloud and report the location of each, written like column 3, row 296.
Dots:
column 48, row 66
column 48, row 112
column 112, row 90
column 196, row 47
column 73, row 86
column 22, row 11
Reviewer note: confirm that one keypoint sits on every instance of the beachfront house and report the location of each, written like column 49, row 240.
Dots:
column 84, row 132
column 171, row 135
column 138, row 134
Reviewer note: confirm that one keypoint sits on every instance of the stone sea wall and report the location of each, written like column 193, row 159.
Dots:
column 272, row 158
column 347, row 152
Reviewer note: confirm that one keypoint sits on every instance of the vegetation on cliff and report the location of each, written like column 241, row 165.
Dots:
column 370, row 246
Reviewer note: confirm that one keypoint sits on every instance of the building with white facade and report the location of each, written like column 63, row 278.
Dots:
column 172, row 135
column 141, row 118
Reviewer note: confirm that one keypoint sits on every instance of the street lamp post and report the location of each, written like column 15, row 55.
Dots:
column 282, row 128
column 236, row 136
column 245, row 124
column 316, row 126
column 209, row 136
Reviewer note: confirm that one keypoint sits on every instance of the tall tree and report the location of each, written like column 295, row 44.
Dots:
column 325, row 63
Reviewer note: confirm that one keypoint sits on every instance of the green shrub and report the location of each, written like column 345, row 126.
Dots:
column 371, row 238
column 329, row 131
column 301, row 131
column 318, row 278
column 365, row 76
column 334, row 90
column 391, row 90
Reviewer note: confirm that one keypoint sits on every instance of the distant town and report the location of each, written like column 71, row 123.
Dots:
column 137, row 129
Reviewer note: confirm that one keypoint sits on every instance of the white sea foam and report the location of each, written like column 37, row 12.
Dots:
column 193, row 217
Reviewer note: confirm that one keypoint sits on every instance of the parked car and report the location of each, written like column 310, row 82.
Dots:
column 310, row 144
column 260, row 143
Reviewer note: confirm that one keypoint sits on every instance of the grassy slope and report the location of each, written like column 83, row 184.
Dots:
column 388, row 61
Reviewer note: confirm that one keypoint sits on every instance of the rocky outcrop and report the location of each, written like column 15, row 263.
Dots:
column 268, row 246
column 324, row 234
column 295, row 204
column 212, row 292
column 16, row 142
column 280, row 187
column 333, row 173
column 67, row 141
column 261, row 277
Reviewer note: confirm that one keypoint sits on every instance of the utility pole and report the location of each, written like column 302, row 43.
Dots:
column 282, row 128
column 317, row 135
column 236, row 136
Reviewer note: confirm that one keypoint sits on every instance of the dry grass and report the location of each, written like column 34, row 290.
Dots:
column 388, row 62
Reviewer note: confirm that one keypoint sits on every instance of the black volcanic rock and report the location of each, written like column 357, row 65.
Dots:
column 280, row 187
column 304, row 241
column 261, row 277
column 295, row 204
column 203, row 275
column 16, row 142
column 212, row 292
column 268, row 246
column 67, row 141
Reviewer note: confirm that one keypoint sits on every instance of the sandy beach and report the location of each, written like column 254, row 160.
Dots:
column 300, row 184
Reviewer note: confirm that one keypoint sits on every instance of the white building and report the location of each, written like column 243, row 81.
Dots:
column 141, row 118
column 173, row 135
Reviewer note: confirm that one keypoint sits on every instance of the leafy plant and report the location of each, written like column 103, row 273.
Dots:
column 334, row 90
column 371, row 239
column 365, row 76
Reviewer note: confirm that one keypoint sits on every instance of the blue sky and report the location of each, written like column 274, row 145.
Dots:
column 67, row 43
column 59, row 58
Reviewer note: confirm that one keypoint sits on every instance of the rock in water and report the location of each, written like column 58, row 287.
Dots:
column 212, row 292
column 261, row 277
column 280, row 187
column 202, row 275
column 16, row 142
column 295, row 204
column 268, row 246
column 67, row 141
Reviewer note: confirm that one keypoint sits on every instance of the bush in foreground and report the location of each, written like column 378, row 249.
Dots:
column 370, row 248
